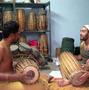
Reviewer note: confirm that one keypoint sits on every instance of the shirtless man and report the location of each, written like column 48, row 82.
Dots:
column 10, row 36
column 84, row 35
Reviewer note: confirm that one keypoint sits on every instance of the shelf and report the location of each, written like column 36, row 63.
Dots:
column 6, row 4
column 30, row 5
column 35, row 31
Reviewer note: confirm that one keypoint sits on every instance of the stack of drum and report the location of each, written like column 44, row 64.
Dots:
column 32, row 24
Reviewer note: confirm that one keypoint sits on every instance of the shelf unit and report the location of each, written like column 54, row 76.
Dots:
column 15, row 5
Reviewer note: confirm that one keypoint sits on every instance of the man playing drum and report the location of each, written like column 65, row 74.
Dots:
column 8, row 79
column 84, row 56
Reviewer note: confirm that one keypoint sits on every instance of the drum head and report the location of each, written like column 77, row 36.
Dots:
column 73, row 78
column 24, row 48
column 32, row 72
column 14, row 49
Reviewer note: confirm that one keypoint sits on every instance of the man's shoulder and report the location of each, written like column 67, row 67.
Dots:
column 1, row 45
column 82, row 43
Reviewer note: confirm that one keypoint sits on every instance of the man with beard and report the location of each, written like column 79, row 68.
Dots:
column 84, row 56
column 8, row 79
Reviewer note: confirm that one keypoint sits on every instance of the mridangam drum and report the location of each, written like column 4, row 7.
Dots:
column 24, row 48
column 20, row 18
column 32, row 51
column 43, row 45
column 14, row 49
column 30, row 68
column 71, row 67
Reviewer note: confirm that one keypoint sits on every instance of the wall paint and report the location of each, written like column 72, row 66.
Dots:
column 67, row 18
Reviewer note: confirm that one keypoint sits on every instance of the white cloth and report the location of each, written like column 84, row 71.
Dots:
column 87, row 26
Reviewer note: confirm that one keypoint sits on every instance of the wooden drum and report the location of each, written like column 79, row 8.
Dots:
column 71, row 67
column 43, row 46
column 22, row 39
column 32, row 21
column 42, row 20
column 8, row 15
column 20, row 18
column 30, row 68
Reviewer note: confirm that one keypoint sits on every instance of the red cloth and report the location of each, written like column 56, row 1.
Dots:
column 33, row 43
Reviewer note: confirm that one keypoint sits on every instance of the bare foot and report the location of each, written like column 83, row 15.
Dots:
column 49, row 79
column 62, row 83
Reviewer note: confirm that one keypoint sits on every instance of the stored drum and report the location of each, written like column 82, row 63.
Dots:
column 30, row 68
column 8, row 15
column 43, row 46
column 71, row 67
column 20, row 18
column 22, row 39
column 32, row 21
column 42, row 23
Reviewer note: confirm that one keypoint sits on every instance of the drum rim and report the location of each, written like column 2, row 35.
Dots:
column 38, row 75
column 71, row 77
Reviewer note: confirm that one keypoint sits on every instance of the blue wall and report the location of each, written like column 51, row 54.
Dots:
column 67, row 18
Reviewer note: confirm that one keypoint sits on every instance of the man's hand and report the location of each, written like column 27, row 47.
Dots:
column 84, row 76
column 22, row 77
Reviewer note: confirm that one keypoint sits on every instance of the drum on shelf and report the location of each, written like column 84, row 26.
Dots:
column 42, row 20
column 22, row 39
column 43, row 46
column 32, row 21
column 8, row 15
column 20, row 18
column 71, row 67
column 30, row 68
column 14, row 49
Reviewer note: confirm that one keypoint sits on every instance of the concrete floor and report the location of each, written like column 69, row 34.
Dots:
column 48, row 68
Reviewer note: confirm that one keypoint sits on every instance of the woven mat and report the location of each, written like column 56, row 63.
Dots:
column 54, row 86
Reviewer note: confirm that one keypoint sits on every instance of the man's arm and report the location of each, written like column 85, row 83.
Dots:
column 20, row 76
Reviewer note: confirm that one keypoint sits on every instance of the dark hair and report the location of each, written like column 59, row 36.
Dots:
column 9, row 27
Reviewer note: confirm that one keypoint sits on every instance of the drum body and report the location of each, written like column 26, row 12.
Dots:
column 32, row 21
column 8, row 15
column 43, row 46
column 42, row 23
column 42, row 20
column 20, row 18
column 71, row 67
column 22, row 39
column 30, row 68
